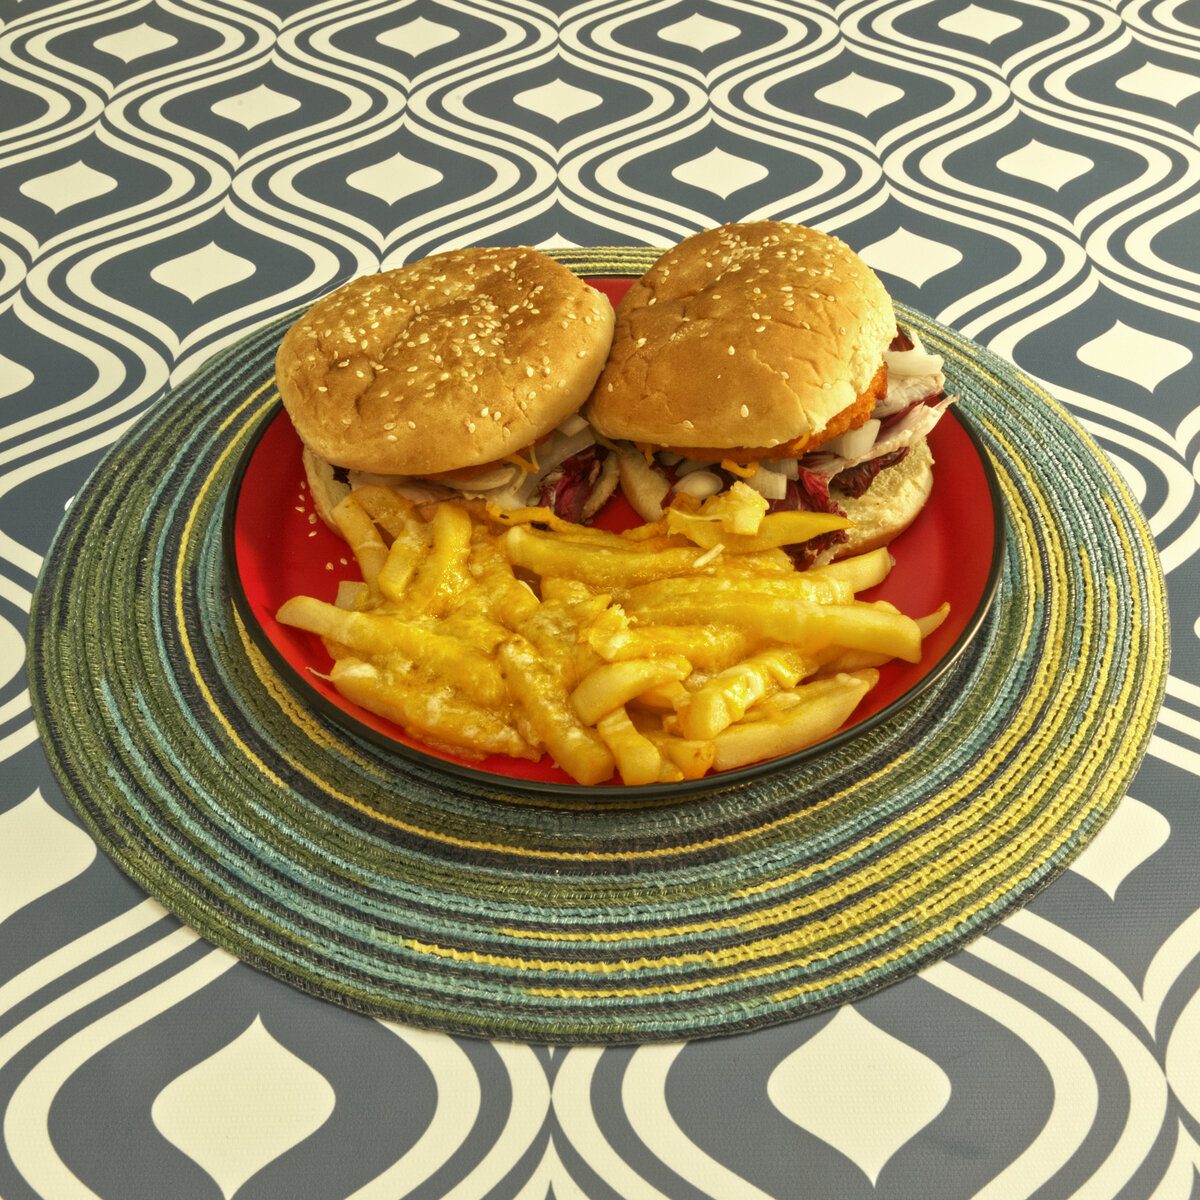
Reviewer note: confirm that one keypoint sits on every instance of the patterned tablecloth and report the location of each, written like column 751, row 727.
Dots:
column 174, row 176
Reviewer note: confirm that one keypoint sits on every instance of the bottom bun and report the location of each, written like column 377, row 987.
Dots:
column 890, row 505
column 326, row 489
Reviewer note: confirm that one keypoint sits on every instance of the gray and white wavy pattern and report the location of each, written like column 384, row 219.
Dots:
column 174, row 174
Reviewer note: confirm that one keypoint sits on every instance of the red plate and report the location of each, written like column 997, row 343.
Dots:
column 277, row 547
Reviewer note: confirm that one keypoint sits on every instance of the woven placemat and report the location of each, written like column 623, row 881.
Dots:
column 396, row 890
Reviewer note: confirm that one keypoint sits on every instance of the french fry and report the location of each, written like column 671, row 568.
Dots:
column 775, row 529
column 706, row 647
column 497, row 593
column 694, row 759
column 542, row 700
column 817, row 711
column 464, row 665
column 599, row 566
column 362, row 537
column 613, row 685
column 553, row 630
column 858, row 572
column 723, row 699
column 802, row 623
column 393, row 513
column 438, row 716
column 933, row 620
column 404, row 558
column 652, row 534
column 796, row 586
column 663, row 697
column 352, row 594
column 638, row 759
column 442, row 574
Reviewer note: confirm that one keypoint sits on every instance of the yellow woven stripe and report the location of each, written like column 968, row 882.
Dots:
column 180, row 621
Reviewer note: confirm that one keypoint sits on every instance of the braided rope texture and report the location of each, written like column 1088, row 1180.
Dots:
column 391, row 888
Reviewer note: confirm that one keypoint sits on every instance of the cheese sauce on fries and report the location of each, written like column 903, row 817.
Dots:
column 655, row 654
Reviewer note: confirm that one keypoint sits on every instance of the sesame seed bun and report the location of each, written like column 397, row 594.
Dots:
column 456, row 360
column 746, row 341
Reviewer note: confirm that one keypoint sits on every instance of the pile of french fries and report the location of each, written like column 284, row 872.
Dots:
column 655, row 654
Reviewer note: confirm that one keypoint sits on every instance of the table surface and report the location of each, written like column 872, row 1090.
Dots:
column 174, row 175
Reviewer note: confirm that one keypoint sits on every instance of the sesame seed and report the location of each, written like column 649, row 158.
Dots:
column 745, row 410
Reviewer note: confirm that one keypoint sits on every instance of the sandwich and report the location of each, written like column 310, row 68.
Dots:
column 768, row 353
column 461, row 374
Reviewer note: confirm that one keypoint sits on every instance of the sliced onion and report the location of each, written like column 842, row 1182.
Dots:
column 700, row 484
column 560, row 446
column 905, row 390
column 770, row 484
column 359, row 479
column 854, row 443
column 573, row 424
column 912, row 362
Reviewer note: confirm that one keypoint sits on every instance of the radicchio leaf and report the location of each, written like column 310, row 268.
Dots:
column 810, row 492
column 565, row 490
column 855, row 480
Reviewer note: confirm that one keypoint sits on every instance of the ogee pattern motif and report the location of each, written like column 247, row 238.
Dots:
column 175, row 175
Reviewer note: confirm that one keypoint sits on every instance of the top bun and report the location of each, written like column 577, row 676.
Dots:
column 459, row 359
column 751, row 337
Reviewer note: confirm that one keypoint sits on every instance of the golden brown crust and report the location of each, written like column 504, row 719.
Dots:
column 849, row 418
column 747, row 335
column 457, row 359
